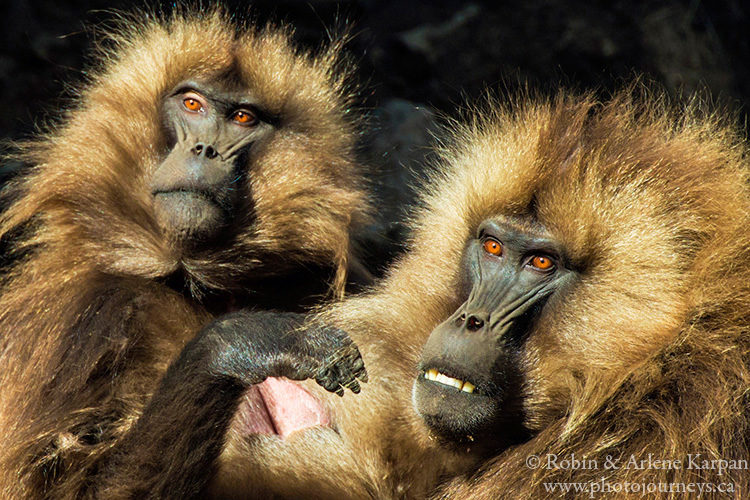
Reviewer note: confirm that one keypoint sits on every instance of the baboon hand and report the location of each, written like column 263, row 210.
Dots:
column 252, row 345
column 342, row 366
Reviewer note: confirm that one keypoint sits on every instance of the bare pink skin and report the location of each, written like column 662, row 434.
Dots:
column 280, row 406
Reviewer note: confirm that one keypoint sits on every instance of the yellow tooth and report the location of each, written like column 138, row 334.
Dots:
column 449, row 381
column 436, row 376
column 468, row 387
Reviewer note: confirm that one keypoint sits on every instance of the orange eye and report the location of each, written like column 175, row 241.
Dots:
column 192, row 104
column 492, row 246
column 541, row 262
column 244, row 117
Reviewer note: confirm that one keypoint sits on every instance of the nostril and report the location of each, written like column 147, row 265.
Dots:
column 197, row 149
column 474, row 323
column 211, row 152
column 461, row 320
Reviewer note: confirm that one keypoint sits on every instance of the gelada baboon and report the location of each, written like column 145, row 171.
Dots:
column 203, row 167
column 576, row 288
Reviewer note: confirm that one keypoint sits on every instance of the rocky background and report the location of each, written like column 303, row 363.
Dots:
column 417, row 58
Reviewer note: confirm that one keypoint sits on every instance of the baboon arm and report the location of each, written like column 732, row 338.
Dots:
column 171, row 449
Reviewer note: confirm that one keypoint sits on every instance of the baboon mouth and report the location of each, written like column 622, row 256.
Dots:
column 454, row 414
column 280, row 407
column 186, row 194
column 433, row 375
column 455, row 404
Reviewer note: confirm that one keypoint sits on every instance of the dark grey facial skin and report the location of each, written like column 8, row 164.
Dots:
column 509, row 273
column 202, row 182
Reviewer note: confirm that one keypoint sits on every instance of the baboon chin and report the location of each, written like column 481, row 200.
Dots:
column 575, row 287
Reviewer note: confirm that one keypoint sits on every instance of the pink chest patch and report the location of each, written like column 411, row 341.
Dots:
column 280, row 406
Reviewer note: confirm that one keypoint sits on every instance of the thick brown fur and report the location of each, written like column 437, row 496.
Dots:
column 650, row 353
column 647, row 352
column 88, row 324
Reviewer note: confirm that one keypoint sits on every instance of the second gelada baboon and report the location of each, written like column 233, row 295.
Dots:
column 576, row 288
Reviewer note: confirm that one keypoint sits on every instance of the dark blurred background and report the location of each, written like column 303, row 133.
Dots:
column 416, row 57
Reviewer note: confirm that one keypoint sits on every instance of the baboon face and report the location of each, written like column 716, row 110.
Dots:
column 246, row 125
column 213, row 150
column 470, row 369
column 572, row 272
column 203, row 180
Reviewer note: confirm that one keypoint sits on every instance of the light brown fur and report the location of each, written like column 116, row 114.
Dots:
column 76, row 370
column 648, row 352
